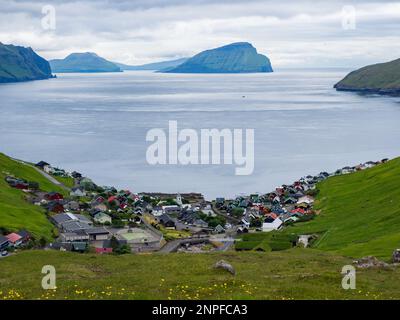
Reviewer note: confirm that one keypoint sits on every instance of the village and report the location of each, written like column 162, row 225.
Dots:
column 104, row 220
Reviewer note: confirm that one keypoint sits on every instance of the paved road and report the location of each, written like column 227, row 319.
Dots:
column 47, row 176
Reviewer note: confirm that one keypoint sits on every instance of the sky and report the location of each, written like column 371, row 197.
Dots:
column 293, row 34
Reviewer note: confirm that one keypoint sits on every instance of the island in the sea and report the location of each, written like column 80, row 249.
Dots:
column 84, row 62
column 239, row 57
column 22, row 64
column 382, row 78
column 158, row 66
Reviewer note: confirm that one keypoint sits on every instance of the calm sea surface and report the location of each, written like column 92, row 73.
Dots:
column 97, row 124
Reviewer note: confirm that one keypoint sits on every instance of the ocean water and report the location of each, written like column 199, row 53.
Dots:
column 97, row 124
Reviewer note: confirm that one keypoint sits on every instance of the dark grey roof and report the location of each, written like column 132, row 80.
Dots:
column 73, row 226
column 83, row 218
column 61, row 218
column 24, row 234
column 3, row 240
column 97, row 231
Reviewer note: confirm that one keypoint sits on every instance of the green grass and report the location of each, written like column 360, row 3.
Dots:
column 291, row 274
column 15, row 212
column 266, row 241
column 66, row 181
column 360, row 213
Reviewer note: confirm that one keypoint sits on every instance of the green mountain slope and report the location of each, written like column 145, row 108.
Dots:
column 383, row 78
column 15, row 212
column 21, row 64
column 83, row 62
column 360, row 213
column 240, row 57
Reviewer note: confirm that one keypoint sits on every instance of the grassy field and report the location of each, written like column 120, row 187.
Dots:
column 66, row 181
column 291, row 274
column 15, row 212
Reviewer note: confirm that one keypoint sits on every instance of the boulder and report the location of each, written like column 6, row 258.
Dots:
column 370, row 262
column 396, row 256
column 222, row 264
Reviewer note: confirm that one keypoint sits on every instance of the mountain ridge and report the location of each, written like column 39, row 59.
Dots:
column 238, row 57
column 19, row 64
column 380, row 78
column 83, row 62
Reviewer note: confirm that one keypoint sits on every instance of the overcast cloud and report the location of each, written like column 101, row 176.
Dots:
column 291, row 33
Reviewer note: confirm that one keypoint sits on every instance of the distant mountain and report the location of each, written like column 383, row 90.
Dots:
column 83, row 62
column 159, row 66
column 382, row 78
column 22, row 64
column 240, row 57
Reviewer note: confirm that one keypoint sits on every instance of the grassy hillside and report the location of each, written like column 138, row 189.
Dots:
column 291, row 274
column 360, row 213
column 15, row 212
column 382, row 76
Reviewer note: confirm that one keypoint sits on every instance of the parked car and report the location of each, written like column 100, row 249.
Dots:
column 4, row 254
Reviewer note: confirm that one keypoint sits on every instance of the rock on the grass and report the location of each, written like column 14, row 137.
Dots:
column 222, row 264
column 396, row 256
column 370, row 262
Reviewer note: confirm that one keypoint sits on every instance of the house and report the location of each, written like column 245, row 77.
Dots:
column 71, row 222
column 83, row 219
column 25, row 235
column 290, row 200
column 76, row 175
column 171, row 209
column 97, row 234
column 219, row 229
column 75, row 226
column 42, row 165
column 72, row 205
column 347, row 170
column 270, row 226
column 79, row 235
column 245, row 223
column 166, row 221
column 4, row 243
column 79, row 246
column 105, row 247
column 77, row 192
column 14, row 239
column 100, row 207
column 53, row 196
column 242, row 229
column 306, row 199
column 55, row 206
column 102, row 218
column 200, row 223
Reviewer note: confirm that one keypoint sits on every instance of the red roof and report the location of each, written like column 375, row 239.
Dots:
column 272, row 215
column 13, row 237
column 298, row 210
column 112, row 198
